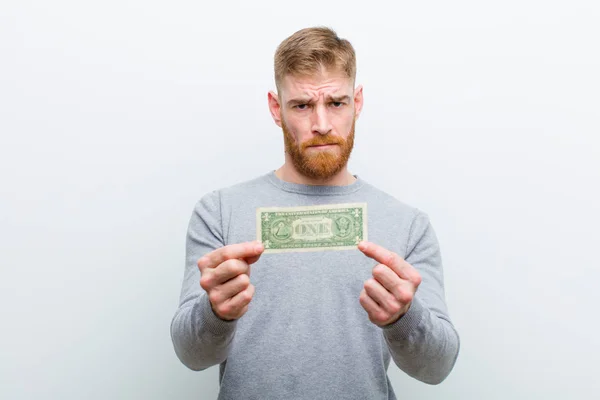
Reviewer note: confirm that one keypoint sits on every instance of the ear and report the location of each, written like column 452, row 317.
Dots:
column 358, row 100
column 275, row 107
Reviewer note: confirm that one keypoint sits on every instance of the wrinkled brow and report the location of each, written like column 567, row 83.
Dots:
column 309, row 100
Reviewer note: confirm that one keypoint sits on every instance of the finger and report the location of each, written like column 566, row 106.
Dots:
column 252, row 260
column 389, row 280
column 370, row 305
column 229, row 289
column 238, row 305
column 386, row 257
column 382, row 297
column 243, row 298
column 228, row 270
column 402, row 289
column 238, row 250
column 239, row 314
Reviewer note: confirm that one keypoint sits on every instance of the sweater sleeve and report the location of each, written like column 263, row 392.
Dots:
column 423, row 342
column 200, row 338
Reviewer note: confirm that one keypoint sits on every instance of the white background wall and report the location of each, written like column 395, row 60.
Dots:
column 116, row 116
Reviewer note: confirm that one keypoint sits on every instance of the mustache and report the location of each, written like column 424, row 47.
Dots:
column 322, row 140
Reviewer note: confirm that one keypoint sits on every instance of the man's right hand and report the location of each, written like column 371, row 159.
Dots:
column 225, row 275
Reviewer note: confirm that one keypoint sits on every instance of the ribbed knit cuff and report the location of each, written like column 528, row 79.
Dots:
column 211, row 322
column 401, row 329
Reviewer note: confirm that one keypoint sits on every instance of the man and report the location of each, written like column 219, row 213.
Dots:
column 312, row 324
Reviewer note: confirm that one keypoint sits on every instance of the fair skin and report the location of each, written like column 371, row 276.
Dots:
column 387, row 296
column 324, row 104
column 321, row 104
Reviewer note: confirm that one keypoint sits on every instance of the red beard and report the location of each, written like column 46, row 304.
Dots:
column 320, row 164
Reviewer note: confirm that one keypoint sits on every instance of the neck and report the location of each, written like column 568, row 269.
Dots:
column 288, row 173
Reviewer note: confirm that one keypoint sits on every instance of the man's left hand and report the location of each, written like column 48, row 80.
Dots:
column 388, row 295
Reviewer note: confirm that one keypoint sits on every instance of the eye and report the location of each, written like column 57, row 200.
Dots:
column 337, row 104
column 301, row 106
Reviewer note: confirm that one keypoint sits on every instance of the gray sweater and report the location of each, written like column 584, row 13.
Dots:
column 305, row 334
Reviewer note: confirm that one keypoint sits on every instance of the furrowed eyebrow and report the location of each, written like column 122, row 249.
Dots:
column 339, row 99
column 306, row 100
column 294, row 102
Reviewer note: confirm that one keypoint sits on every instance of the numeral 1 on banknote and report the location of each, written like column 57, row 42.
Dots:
column 312, row 228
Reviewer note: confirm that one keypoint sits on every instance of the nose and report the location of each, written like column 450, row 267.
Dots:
column 321, row 123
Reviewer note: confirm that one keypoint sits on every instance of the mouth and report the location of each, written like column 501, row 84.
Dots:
column 323, row 146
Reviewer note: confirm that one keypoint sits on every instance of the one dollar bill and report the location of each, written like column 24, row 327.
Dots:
column 312, row 228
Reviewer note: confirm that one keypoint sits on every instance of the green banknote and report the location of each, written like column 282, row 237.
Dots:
column 312, row 228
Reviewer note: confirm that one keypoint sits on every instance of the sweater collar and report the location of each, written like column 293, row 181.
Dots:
column 317, row 190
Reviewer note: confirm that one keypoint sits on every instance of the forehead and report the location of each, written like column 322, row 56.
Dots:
column 322, row 83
